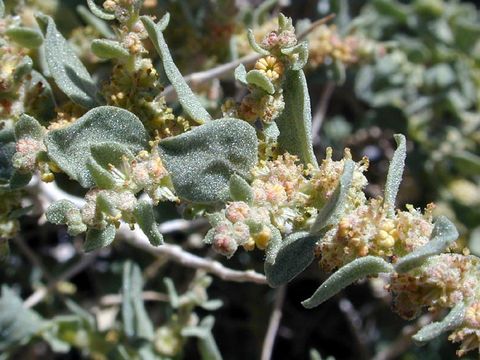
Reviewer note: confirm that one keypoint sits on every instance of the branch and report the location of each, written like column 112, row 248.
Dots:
column 274, row 323
column 321, row 109
column 117, row 299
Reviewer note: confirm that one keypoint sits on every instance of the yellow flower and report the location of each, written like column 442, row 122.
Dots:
column 271, row 66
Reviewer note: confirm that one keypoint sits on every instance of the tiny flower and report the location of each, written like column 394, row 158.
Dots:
column 270, row 66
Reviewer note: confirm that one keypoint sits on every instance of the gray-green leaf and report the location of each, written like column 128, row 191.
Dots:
column 444, row 233
column 295, row 122
column 146, row 220
column 253, row 43
column 70, row 147
column 259, row 79
column 108, row 49
column 67, row 70
column 187, row 98
column 202, row 160
column 98, row 11
column 240, row 189
column 395, row 173
column 348, row 274
column 24, row 36
column 64, row 212
column 97, row 239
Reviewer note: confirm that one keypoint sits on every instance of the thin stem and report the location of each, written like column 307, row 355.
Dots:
column 321, row 110
column 275, row 317
column 117, row 299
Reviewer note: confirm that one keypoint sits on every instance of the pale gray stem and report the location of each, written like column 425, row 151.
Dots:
column 274, row 324
column 321, row 110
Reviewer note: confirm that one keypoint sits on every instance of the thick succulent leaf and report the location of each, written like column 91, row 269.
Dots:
column 295, row 122
column 444, row 233
column 146, row 220
column 28, row 127
column 102, row 156
column 453, row 320
column 296, row 253
column 253, row 43
column 332, row 211
column 348, row 274
column 67, row 70
column 240, row 189
column 24, row 36
column 241, row 74
column 190, row 103
column 395, row 173
column 97, row 239
column 301, row 50
column 39, row 100
column 98, row 11
column 202, row 160
column 97, row 23
column 108, row 49
column 17, row 324
column 259, row 79
column 69, row 147
column 136, row 321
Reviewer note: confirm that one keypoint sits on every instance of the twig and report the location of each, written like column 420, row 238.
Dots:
column 275, row 317
column 178, row 255
column 41, row 293
column 198, row 78
column 404, row 341
column 321, row 109
column 116, row 299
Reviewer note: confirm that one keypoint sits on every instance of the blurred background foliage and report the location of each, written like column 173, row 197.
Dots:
column 379, row 67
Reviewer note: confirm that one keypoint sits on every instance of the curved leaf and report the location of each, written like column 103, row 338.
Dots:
column 295, row 122
column 98, row 11
column 67, row 70
column 146, row 220
column 274, row 245
column 69, row 147
column 202, row 160
column 108, row 49
column 444, row 233
column 24, row 36
column 332, row 211
column 453, row 320
column 296, row 253
column 301, row 50
column 241, row 74
column 64, row 212
column 97, row 239
column 395, row 173
column 187, row 98
column 97, row 23
column 27, row 126
column 259, row 79
column 348, row 274
column 240, row 189
column 253, row 43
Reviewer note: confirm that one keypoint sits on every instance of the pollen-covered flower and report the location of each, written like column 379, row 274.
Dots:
column 271, row 66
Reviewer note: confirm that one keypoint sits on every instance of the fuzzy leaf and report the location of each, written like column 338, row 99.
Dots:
column 136, row 321
column 259, row 79
column 7, row 149
column 443, row 234
column 98, row 24
column 172, row 293
column 253, row 44
column 98, row 11
column 69, row 147
column 332, row 211
column 274, row 245
column 2, row 9
column 395, row 173
column 348, row 274
column 24, row 36
column 240, row 189
column 186, row 97
column 108, row 49
column 67, row 70
column 453, row 320
column 206, row 343
column 296, row 253
column 23, row 68
column 146, row 220
column 19, row 180
column 301, row 50
column 102, row 155
column 241, row 74
column 97, row 239
column 202, row 160
column 28, row 127
column 64, row 212
column 295, row 122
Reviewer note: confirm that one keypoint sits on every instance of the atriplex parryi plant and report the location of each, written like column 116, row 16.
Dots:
column 252, row 173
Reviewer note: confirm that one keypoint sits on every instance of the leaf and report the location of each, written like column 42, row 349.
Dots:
column 395, row 173
column 108, row 49
column 296, row 253
column 274, row 245
column 97, row 239
column 207, row 347
column 146, row 220
column 23, row 69
column 102, row 156
column 348, row 274
column 28, row 127
column 443, row 234
column 332, row 211
column 136, row 322
column 19, row 179
column 301, row 51
column 453, row 320
column 98, row 11
column 39, row 100
column 172, row 293
column 95, row 22
column 253, row 43
column 7, row 149
column 64, row 212
column 295, row 122
column 2, row 9
column 17, row 323
column 186, row 97
column 467, row 162
column 69, row 147
column 241, row 74
column 67, row 70
column 260, row 80
column 240, row 189
column 202, row 160
column 24, row 36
